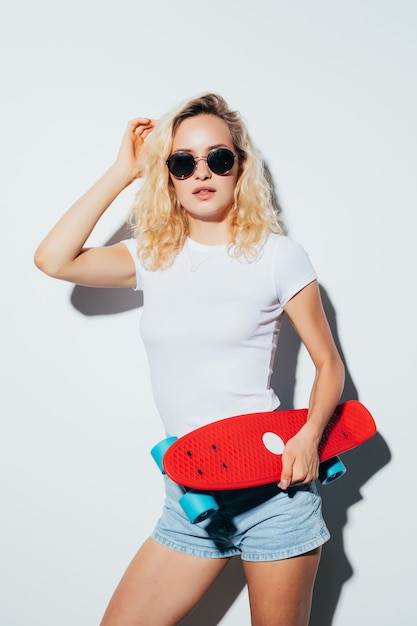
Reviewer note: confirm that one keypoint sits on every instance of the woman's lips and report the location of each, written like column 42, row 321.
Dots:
column 203, row 192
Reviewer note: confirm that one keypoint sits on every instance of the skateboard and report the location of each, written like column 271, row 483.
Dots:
column 245, row 451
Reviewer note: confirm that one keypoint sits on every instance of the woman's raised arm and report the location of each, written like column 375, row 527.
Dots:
column 62, row 254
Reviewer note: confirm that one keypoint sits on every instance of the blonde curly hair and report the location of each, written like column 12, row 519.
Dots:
column 159, row 222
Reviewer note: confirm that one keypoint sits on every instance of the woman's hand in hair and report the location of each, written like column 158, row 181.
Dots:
column 132, row 152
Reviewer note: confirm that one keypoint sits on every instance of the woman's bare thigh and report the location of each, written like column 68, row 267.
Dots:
column 280, row 592
column 160, row 587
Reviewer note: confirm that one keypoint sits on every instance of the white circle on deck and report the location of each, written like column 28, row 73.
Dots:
column 273, row 443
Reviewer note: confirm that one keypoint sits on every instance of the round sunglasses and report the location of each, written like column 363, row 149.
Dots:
column 183, row 164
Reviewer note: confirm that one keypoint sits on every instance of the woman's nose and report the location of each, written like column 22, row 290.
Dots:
column 202, row 170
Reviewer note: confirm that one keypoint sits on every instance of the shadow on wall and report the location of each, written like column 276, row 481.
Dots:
column 362, row 464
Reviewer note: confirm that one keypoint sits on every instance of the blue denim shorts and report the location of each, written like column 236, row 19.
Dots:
column 259, row 523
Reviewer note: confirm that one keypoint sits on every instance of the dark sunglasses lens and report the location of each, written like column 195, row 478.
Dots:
column 220, row 161
column 181, row 164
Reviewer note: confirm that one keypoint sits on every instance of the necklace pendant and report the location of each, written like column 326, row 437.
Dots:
column 193, row 266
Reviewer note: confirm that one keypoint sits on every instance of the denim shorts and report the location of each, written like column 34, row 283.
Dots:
column 259, row 523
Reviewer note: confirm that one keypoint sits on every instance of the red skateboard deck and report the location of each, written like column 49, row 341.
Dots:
column 236, row 452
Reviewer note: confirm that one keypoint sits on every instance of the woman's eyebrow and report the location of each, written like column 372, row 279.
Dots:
column 217, row 145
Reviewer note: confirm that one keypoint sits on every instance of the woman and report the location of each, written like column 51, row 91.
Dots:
column 217, row 274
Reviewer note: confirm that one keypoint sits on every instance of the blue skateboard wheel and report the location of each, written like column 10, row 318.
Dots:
column 198, row 506
column 331, row 470
column 159, row 450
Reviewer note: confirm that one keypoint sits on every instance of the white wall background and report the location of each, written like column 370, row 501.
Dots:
column 328, row 89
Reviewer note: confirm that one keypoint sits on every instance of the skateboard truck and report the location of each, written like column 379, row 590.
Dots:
column 197, row 505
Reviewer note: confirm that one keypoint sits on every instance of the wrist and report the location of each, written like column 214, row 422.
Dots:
column 312, row 432
column 121, row 177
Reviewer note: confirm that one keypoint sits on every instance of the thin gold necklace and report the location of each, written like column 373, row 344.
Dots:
column 194, row 266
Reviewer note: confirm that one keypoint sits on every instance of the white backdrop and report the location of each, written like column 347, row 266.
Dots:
column 328, row 89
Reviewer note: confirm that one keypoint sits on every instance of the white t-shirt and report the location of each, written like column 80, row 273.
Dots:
column 211, row 334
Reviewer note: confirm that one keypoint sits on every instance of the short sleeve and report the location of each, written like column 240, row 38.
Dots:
column 293, row 269
column 132, row 246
